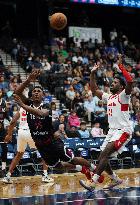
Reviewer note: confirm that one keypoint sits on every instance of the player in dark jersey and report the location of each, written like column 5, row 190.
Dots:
column 3, row 116
column 40, row 125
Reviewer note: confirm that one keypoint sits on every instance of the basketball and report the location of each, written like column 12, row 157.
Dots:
column 58, row 21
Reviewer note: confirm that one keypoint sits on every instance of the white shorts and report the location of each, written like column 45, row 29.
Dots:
column 113, row 135
column 24, row 138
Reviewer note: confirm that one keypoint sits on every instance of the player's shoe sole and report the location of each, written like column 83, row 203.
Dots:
column 7, row 181
column 86, row 186
column 114, row 185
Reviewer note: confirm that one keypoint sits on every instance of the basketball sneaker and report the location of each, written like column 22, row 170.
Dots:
column 47, row 179
column 112, row 183
column 89, row 185
column 90, row 174
column 7, row 179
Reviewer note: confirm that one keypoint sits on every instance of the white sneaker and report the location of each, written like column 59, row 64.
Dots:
column 7, row 180
column 113, row 183
column 47, row 179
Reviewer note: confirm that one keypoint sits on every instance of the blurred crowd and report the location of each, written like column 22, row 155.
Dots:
column 66, row 67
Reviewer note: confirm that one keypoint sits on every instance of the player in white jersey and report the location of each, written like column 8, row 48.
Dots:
column 24, row 139
column 120, row 131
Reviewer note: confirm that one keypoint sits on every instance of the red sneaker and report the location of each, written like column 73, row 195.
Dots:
column 86, row 172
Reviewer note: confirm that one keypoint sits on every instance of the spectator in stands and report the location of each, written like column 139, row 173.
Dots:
column 77, row 72
column 89, row 106
column 14, row 110
column 8, row 73
column 77, row 85
column 83, row 132
column 72, row 132
column 137, row 129
column 100, row 114
column 36, row 62
column 73, row 120
column 96, row 130
column 3, row 84
column 70, row 95
column 55, row 112
column 86, row 90
column 45, row 64
column 60, row 133
column 61, row 120
column 14, row 83
column 18, row 78
column 47, row 97
column 67, row 84
column 77, row 104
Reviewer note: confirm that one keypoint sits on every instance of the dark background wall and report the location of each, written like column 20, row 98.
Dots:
column 29, row 18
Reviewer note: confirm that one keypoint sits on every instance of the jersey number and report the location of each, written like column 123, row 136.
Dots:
column 110, row 111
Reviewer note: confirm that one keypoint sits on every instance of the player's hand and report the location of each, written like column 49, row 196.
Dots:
column 18, row 100
column 95, row 68
column 8, row 138
column 34, row 74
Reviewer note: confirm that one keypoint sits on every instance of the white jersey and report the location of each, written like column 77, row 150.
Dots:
column 23, row 119
column 118, row 110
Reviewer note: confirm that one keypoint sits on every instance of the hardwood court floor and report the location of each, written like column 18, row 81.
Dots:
column 32, row 186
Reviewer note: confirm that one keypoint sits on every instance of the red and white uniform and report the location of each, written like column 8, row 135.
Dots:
column 118, row 119
column 24, row 135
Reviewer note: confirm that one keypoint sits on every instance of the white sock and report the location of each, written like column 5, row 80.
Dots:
column 114, row 176
column 3, row 165
column 45, row 173
column 8, row 174
column 78, row 168
column 92, row 167
column 95, row 178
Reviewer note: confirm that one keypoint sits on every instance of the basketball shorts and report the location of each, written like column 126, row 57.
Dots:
column 24, row 138
column 55, row 152
column 114, row 135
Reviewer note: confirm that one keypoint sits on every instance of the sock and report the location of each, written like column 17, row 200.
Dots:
column 45, row 173
column 114, row 176
column 3, row 165
column 92, row 167
column 78, row 168
column 95, row 178
column 8, row 174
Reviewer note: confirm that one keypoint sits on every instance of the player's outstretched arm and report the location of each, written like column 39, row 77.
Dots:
column 11, row 127
column 128, row 78
column 32, row 77
column 34, row 111
column 93, row 85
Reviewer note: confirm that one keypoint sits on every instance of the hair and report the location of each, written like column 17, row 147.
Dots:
column 83, row 123
column 37, row 86
column 121, row 79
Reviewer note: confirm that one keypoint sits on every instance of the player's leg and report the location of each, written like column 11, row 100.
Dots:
column 21, row 146
column 119, row 140
column 46, row 178
column 71, row 162
column 4, row 157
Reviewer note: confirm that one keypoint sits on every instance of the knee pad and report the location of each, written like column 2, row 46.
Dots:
column 121, row 141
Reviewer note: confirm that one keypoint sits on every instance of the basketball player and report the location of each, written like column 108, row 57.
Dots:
column 24, row 139
column 39, row 120
column 3, row 116
column 120, row 132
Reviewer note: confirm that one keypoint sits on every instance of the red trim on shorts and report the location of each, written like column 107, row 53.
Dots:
column 118, row 143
